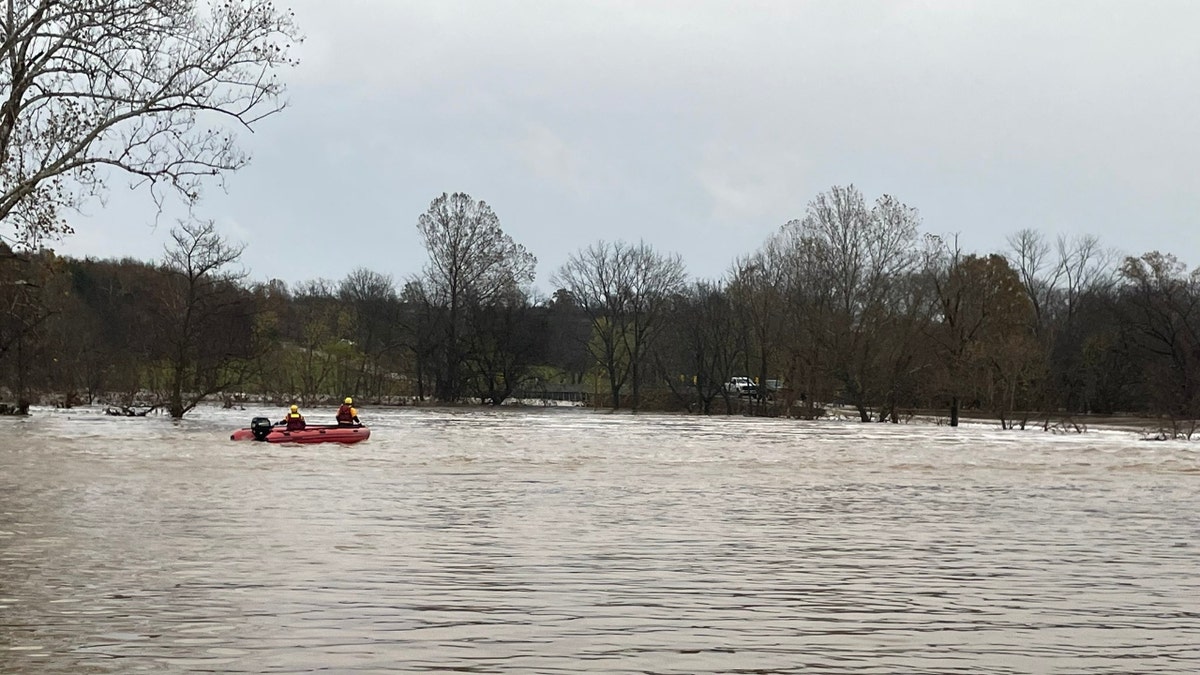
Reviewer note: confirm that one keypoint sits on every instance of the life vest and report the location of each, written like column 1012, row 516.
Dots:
column 295, row 421
column 346, row 414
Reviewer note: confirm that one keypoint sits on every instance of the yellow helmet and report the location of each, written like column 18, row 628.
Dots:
column 295, row 407
column 349, row 400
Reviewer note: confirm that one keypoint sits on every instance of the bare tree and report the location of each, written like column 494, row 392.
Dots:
column 857, row 260
column 1086, row 267
column 624, row 290
column 206, row 321
column 471, row 263
column 1056, row 287
column 149, row 88
column 1029, row 257
column 591, row 279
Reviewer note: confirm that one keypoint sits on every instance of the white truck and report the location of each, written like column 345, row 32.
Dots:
column 741, row 386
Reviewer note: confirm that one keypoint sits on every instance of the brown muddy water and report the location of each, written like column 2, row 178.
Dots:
column 570, row 541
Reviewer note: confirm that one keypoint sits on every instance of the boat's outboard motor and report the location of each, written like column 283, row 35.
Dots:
column 260, row 427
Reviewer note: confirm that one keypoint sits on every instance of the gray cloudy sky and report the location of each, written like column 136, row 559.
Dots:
column 701, row 126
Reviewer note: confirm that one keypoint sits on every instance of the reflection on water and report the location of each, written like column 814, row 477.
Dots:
column 570, row 541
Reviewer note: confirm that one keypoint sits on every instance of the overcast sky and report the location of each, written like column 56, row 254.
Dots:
column 702, row 126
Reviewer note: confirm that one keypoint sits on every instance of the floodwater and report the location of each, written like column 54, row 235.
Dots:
column 572, row 541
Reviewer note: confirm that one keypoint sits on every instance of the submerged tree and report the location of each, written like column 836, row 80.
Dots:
column 205, row 319
column 149, row 88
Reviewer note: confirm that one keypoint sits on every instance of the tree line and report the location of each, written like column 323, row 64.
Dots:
column 850, row 304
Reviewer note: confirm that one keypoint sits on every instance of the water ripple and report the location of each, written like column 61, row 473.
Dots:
column 571, row 541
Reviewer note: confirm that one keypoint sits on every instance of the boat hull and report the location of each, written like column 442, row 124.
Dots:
column 310, row 434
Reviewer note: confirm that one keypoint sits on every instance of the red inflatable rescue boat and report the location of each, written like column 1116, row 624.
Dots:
column 261, row 429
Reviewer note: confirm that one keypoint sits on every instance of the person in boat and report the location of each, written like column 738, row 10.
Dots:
column 293, row 420
column 347, row 416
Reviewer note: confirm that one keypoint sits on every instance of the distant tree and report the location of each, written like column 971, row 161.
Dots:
column 624, row 289
column 148, row 88
column 1029, row 256
column 858, row 259
column 1056, row 280
column 567, row 335
column 421, row 325
column 24, row 311
column 1110, row 377
column 505, row 343
column 271, row 372
column 316, row 319
column 703, row 343
column 371, row 300
column 205, row 320
column 983, row 315
column 756, row 287
column 471, row 263
column 122, row 296
column 1158, row 310
column 75, row 359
